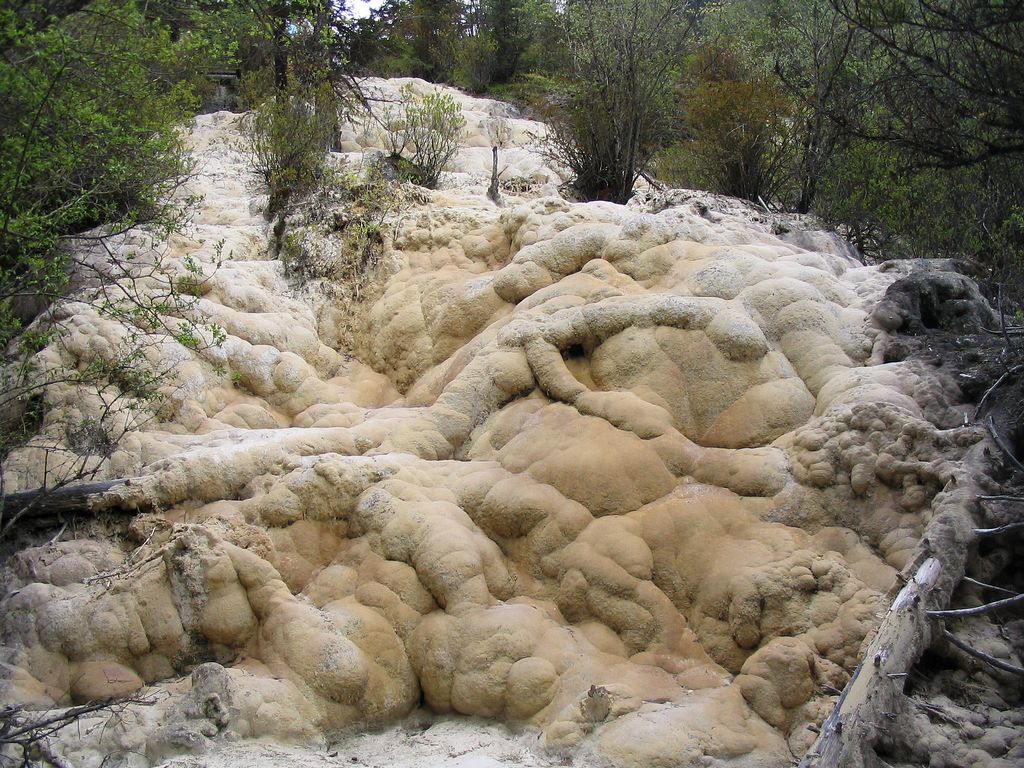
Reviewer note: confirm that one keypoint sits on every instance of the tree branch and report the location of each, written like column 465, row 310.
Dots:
column 997, row 663
column 978, row 610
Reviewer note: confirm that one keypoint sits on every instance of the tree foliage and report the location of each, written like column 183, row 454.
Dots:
column 87, row 130
column 950, row 76
column 288, row 135
column 93, row 95
column 906, row 121
column 943, row 101
column 810, row 53
column 422, row 134
column 470, row 43
column 739, row 139
column 617, row 112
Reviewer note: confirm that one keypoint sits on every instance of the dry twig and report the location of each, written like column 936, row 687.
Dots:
column 982, row 584
column 988, row 659
column 1013, row 330
column 31, row 731
column 998, row 530
column 1001, row 442
column 998, row 383
column 978, row 610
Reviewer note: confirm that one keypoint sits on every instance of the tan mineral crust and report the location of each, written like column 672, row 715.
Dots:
column 633, row 477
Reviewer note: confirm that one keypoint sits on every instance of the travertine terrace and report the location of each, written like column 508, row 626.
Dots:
column 634, row 476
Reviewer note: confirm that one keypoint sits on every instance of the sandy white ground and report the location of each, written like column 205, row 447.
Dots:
column 420, row 741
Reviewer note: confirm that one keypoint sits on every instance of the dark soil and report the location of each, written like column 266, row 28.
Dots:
column 960, row 711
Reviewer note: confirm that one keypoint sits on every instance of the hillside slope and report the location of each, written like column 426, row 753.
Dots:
column 633, row 475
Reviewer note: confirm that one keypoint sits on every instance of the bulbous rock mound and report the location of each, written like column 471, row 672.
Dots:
column 631, row 475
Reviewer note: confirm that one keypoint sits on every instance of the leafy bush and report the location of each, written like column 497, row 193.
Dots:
column 87, row 134
column 476, row 62
column 618, row 111
column 738, row 125
column 532, row 93
column 890, row 209
column 422, row 135
column 288, row 136
column 93, row 98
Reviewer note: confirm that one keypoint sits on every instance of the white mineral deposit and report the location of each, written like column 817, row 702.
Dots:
column 632, row 480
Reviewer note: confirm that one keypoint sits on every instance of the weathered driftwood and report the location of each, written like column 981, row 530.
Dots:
column 45, row 505
column 876, row 687
column 864, row 717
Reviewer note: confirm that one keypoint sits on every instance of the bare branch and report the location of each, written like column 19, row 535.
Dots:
column 988, row 659
column 998, row 383
column 1003, row 445
column 999, row 530
column 993, row 587
column 978, row 610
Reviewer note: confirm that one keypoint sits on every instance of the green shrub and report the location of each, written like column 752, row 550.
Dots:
column 422, row 135
column 737, row 123
column 88, row 137
column 288, row 136
column 90, row 148
column 532, row 92
column 475, row 63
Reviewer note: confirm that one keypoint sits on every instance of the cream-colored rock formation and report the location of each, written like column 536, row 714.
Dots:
column 632, row 475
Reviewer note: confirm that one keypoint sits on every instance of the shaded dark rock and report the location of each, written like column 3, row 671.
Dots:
column 932, row 300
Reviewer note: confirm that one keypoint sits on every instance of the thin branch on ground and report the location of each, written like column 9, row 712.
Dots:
column 1001, row 442
column 1009, row 602
column 1000, row 529
column 1012, row 330
column 993, row 587
column 31, row 731
column 988, row 659
column 998, row 383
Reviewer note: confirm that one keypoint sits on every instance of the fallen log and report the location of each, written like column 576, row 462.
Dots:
column 862, row 720
column 876, row 687
column 43, row 506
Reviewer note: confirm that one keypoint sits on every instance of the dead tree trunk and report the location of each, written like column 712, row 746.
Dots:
column 869, row 706
column 493, row 193
column 875, row 690
column 45, row 506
